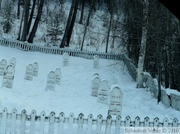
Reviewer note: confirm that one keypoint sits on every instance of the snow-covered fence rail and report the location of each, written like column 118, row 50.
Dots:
column 14, row 123
column 24, row 46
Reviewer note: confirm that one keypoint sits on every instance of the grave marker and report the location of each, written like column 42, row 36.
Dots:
column 29, row 72
column 3, row 64
column 115, row 101
column 51, row 81
column 103, row 92
column 12, row 62
column 65, row 59
column 35, row 69
column 58, row 76
column 95, row 85
column 96, row 62
column 8, row 77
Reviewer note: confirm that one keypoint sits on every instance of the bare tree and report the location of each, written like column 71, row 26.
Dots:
column 70, row 24
column 143, row 44
column 35, row 26
column 26, row 17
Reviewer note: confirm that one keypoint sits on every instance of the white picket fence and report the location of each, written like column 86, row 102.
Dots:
column 14, row 123
column 24, row 46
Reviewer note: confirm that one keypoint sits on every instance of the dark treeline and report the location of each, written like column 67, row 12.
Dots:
column 162, row 58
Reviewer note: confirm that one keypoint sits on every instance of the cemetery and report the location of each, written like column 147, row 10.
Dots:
column 104, row 92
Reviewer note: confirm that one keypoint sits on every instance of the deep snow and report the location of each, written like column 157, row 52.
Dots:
column 74, row 93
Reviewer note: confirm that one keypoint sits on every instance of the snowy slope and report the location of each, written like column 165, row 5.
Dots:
column 73, row 95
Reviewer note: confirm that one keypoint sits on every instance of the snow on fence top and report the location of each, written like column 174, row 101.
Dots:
column 24, row 46
column 59, row 123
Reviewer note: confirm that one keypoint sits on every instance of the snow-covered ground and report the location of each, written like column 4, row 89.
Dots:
column 74, row 93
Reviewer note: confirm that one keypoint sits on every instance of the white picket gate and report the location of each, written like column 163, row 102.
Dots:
column 14, row 123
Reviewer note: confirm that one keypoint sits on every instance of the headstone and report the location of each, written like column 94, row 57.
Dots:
column 95, row 85
column 35, row 69
column 115, row 101
column 103, row 92
column 8, row 77
column 96, row 62
column 29, row 72
column 12, row 62
column 3, row 64
column 65, row 59
column 58, row 76
column 51, row 81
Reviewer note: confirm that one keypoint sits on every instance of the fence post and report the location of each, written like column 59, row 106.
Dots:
column 137, row 121
column 32, row 125
column 175, row 122
column 99, row 123
column 80, row 123
column 89, row 125
column 70, row 126
column 118, row 123
column 108, row 125
column 165, row 122
column 51, row 123
column 146, row 122
column 127, row 121
column 3, row 121
column 13, row 121
column 61, row 123
column 42, row 122
column 23, row 122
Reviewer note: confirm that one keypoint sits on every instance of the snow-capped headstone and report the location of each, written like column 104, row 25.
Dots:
column 8, row 76
column 58, row 76
column 96, row 62
column 12, row 62
column 103, row 92
column 51, row 81
column 3, row 65
column 29, row 72
column 95, row 81
column 65, row 59
column 35, row 69
column 115, row 100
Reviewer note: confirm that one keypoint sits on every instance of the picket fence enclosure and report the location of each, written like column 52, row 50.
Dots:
column 24, row 46
column 14, row 123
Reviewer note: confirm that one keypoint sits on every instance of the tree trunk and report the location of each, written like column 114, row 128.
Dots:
column 35, row 26
column 19, row 34
column 68, row 24
column 72, row 23
column 31, row 15
column 0, row 4
column 109, row 30
column 82, row 12
column 143, row 45
column 87, row 23
column 18, row 9
column 26, row 17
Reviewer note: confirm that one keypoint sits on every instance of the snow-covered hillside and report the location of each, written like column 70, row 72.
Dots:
column 74, row 93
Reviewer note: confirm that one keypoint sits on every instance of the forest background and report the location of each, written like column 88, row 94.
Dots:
column 141, row 29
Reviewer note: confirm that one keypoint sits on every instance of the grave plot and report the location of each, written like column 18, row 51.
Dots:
column 3, row 65
column 103, row 92
column 65, row 59
column 51, row 81
column 29, row 72
column 95, row 81
column 115, row 100
column 96, row 62
column 58, row 76
column 35, row 69
column 8, row 77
